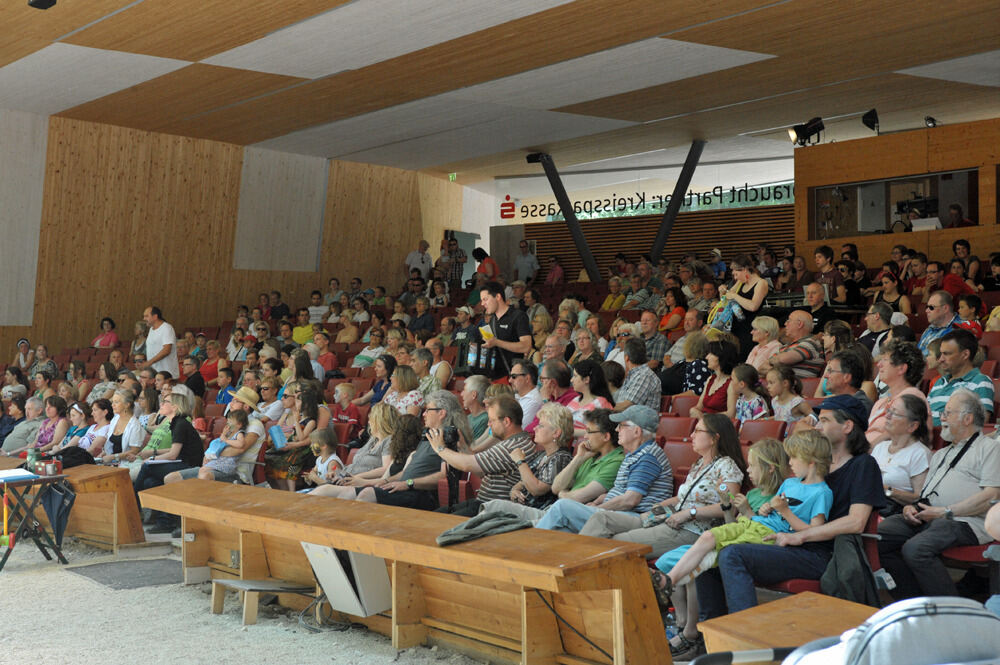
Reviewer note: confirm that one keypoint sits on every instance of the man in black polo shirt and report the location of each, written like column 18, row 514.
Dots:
column 817, row 307
column 511, row 330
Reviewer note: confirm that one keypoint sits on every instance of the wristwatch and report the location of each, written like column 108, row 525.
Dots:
column 409, row 483
column 949, row 513
column 725, row 506
column 694, row 513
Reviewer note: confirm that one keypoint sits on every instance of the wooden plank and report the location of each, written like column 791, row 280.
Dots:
column 436, row 626
column 408, row 606
column 194, row 550
column 534, row 558
column 188, row 91
column 253, row 560
column 803, row 617
column 540, row 641
column 476, row 618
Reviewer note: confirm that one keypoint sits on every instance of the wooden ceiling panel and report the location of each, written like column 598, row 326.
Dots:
column 185, row 93
column 902, row 102
column 565, row 32
column 818, row 44
column 24, row 30
column 195, row 29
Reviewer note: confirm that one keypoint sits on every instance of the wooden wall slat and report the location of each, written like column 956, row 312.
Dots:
column 131, row 218
column 733, row 231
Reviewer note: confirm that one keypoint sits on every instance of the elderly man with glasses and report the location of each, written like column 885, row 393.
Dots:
column 962, row 481
column 644, row 477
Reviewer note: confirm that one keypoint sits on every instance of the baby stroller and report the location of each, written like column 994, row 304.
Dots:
column 917, row 631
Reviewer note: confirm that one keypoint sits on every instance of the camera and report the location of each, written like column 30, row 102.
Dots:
column 450, row 434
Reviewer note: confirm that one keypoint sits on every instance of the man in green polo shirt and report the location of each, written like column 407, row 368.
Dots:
column 590, row 474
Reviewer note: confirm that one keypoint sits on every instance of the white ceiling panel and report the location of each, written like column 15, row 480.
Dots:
column 368, row 31
column 979, row 69
column 515, row 129
column 386, row 126
column 631, row 67
column 61, row 76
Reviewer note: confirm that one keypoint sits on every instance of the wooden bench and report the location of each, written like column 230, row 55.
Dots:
column 105, row 513
column 786, row 622
column 486, row 597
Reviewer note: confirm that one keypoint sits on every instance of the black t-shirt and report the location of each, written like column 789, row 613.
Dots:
column 184, row 433
column 859, row 480
column 510, row 327
column 280, row 311
column 196, row 382
column 821, row 316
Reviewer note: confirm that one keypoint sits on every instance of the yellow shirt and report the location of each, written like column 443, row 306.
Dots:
column 302, row 334
column 613, row 302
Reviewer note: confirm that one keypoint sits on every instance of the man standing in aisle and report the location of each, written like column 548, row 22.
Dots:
column 160, row 343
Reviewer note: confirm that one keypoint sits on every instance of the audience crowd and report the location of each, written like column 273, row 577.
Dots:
column 562, row 407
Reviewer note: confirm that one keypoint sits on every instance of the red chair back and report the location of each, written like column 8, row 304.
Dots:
column 681, row 405
column 682, row 456
column 753, row 431
column 675, row 429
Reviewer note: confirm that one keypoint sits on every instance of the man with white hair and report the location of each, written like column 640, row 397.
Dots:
column 963, row 478
column 25, row 431
column 313, row 352
column 420, row 260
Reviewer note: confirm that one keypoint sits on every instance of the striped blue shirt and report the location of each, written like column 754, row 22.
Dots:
column 932, row 333
column 645, row 471
column 945, row 387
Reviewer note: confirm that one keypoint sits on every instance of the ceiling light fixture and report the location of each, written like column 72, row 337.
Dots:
column 870, row 120
column 801, row 134
column 41, row 4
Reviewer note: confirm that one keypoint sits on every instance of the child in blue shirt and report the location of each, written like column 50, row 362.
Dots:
column 802, row 501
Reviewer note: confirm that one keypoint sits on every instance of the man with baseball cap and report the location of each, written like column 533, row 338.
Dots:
column 856, row 482
column 644, row 477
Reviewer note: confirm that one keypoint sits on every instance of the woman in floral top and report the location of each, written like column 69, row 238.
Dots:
column 403, row 393
column 694, row 508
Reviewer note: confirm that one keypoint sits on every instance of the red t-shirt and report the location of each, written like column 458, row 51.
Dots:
column 351, row 415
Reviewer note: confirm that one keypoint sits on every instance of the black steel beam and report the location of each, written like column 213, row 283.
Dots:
column 674, row 206
column 555, row 182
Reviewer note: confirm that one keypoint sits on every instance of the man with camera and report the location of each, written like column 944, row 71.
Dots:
column 496, row 465
column 962, row 480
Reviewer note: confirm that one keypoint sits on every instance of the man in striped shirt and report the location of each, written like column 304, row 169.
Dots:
column 958, row 348
column 941, row 318
column 804, row 351
column 644, row 477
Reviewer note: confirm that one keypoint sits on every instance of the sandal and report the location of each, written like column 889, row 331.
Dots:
column 687, row 649
column 662, row 586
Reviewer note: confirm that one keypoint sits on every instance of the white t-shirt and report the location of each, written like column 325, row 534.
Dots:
column 317, row 312
column 155, row 341
column 900, row 466
column 530, row 403
column 419, row 260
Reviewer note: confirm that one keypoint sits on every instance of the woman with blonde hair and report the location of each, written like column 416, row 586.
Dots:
column 541, row 328
column 371, row 462
column 764, row 331
column 138, row 345
column 403, row 393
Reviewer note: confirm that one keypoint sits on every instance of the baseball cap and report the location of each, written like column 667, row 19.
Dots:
column 849, row 405
column 466, row 309
column 641, row 415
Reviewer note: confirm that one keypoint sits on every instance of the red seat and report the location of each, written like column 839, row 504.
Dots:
column 681, row 405
column 973, row 556
column 753, row 431
column 675, row 428
column 665, row 403
column 682, row 456
column 259, row 473
column 990, row 338
column 809, row 386
column 351, row 372
column 362, row 386
column 218, row 424
column 797, row 585
column 343, row 431
column 993, row 353
column 213, row 410
column 989, row 368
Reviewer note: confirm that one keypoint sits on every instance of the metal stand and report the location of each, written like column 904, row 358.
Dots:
column 29, row 526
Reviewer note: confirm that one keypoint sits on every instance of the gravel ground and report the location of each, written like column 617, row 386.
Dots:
column 52, row 616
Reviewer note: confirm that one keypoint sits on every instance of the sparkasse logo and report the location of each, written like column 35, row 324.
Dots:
column 507, row 208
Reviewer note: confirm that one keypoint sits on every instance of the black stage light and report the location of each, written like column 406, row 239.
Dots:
column 930, row 121
column 41, row 4
column 870, row 120
column 801, row 134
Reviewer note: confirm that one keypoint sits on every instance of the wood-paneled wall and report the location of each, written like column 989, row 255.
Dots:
column 946, row 148
column 132, row 218
column 733, row 231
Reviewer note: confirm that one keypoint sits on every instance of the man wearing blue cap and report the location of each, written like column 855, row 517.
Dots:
column 856, row 483
column 644, row 477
